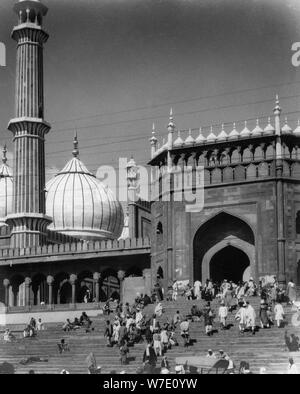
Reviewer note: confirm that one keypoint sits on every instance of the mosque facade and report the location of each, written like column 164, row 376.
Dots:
column 71, row 236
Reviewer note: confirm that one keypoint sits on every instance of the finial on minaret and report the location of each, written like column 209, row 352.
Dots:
column 171, row 129
column 277, row 109
column 171, row 125
column 153, row 141
column 153, row 138
column 75, row 145
column 4, row 158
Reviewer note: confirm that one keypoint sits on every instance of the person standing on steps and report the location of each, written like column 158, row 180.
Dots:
column 150, row 358
column 208, row 315
column 241, row 317
column 291, row 292
column 185, row 332
column 108, row 332
column 197, row 289
column 264, row 320
column 223, row 313
column 250, row 317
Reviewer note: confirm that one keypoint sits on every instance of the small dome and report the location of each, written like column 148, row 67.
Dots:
column 257, row 129
column 245, row 132
column 234, row 133
column 200, row 139
column 286, row 128
column 6, row 189
column 211, row 137
column 269, row 129
column 179, row 140
column 297, row 129
column 223, row 135
column 80, row 205
column 189, row 140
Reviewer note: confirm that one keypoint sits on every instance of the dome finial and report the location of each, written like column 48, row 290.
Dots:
column 277, row 109
column 4, row 158
column 75, row 145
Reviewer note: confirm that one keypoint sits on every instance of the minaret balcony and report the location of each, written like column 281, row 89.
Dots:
column 29, row 126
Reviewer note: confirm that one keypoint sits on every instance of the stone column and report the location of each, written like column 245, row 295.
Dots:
column 73, row 279
column 121, row 276
column 27, row 291
column 28, row 220
column 96, row 278
column 6, row 284
column 50, row 281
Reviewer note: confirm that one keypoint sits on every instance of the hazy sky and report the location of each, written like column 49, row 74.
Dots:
column 112, row 67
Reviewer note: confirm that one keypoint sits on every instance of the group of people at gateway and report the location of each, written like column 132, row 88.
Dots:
column 130, row 325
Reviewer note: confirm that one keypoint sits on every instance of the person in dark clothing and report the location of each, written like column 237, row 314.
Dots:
column 148, row 333
column 149, row 357
column 122, row 333
column 106, row 308
column 123, row 352
column 292, row 342
column 108, row 333
column 85, row 321
column 195, row 313
column 165, row 363
column 147, row 300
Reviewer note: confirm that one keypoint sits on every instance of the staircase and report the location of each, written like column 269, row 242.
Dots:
column 265, row 349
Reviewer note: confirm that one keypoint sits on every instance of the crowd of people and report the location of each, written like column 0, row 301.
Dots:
column 82, row 322
column 130, row 325
column 127, row 325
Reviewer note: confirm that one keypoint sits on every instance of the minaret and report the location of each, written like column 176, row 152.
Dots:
column 171, row 129
column 281, row 241
column 132, row 185
column 28, row 221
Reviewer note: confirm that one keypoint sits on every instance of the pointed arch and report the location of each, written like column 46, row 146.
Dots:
column 221, row 230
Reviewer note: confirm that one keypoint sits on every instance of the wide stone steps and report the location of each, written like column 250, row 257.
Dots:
column 265, row 349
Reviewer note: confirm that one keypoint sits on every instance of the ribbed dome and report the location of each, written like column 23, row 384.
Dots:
column 82, row 206
column 6, row 189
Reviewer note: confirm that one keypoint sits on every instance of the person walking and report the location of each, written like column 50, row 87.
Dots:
column 279, row 314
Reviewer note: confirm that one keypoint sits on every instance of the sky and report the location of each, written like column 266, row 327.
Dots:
column 113, row 67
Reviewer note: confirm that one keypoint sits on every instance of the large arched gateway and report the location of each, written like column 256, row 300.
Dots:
column 224, row 249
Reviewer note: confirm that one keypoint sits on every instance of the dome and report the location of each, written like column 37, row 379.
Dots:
column 6, row 189
column 179, row 141
column 80, row 205
column 189, row 140
column 200, row 139
column 223, row 135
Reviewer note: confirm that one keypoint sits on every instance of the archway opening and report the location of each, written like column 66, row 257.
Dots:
column 85, row 287
column 39, row 289
column 110, row 286
column 66, row 293
column 229, row 263
column 221, row 230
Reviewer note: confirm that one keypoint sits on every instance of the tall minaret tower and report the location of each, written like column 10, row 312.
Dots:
column 28, row 220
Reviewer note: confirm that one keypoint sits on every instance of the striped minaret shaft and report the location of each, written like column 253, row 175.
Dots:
column 28, row 221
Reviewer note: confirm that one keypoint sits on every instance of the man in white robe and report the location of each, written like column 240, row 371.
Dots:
column 197, row 289
column 241, row 316
column 250, row 317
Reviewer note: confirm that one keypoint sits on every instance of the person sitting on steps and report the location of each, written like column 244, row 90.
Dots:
column 63, row 346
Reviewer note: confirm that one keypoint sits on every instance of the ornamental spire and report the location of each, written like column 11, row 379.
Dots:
column 75, row 145
column 4, row 157
column 277, row 109
column 171, row 125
